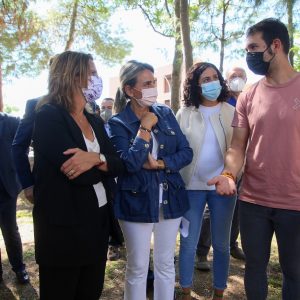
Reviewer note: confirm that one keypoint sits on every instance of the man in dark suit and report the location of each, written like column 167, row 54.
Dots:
column 9, row 190
column 20, row 149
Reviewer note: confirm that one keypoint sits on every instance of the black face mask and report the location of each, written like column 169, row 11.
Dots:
column 256, row 63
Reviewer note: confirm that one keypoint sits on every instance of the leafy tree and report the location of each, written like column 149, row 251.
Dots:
column 10, row 109
column 289, row 10
column 23, row 47
column 296, row 52
column 172, row 19
column 221, row 25
column 85, row 25
column 164, row 19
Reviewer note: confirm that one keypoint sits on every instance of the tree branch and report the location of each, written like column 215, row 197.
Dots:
column 167, row 8
column 151, row 23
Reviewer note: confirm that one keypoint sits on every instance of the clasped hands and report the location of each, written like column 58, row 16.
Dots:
column 224, row 185
column 153, row 164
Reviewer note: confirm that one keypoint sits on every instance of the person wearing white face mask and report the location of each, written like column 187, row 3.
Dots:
column 206, row 121
column 236, row 79
column 151, row 195
column 74, row 167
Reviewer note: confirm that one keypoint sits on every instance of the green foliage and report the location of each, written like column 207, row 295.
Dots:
column 23, row 47
column 221, row 23
column 296, row 50
column 93, row 30
column 10, row 109
column 160, row 14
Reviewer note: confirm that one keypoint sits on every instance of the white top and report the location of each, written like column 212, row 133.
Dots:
column 210, row 161
column 93, row 146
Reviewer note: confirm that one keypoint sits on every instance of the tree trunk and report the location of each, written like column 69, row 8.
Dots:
column 177, row 61
column 1, row 93
column 290, row 4
column 186, row 34
column 70, row 40
column 222, row 39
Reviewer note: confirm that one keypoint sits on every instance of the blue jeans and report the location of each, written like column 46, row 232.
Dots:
column 258, row 225
column 221, row 209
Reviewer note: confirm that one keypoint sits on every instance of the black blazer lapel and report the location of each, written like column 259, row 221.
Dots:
column 99, row 130
column 74, row 129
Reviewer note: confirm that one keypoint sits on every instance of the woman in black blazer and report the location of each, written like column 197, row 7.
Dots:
column 74, row 166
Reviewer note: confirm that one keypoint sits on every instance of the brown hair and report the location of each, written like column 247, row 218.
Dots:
column 64, row 70
column 192, row 93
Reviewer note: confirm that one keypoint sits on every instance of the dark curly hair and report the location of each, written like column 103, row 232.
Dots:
column 191, row 90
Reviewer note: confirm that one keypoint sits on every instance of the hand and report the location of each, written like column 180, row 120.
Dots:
column 28, row 192
column 80, row 162
column 224, row 185
column 151, row 163
column 148, row 120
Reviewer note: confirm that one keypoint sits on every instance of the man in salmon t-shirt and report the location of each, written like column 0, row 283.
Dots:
column 267, row 134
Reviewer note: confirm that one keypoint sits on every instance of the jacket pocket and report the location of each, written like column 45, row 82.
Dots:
column 177, row 192
column 134, row 197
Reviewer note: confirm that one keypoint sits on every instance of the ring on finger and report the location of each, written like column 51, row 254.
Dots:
column 71, row 172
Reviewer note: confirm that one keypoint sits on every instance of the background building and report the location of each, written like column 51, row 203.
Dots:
column 164, row 82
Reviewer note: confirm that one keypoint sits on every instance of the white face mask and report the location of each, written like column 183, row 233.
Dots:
column 149, row 97
column 237, row 84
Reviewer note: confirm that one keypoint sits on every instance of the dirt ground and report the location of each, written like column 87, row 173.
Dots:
column 114, row 283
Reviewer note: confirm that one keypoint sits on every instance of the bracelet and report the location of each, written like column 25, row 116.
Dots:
column 145, row 129
column 228, row 175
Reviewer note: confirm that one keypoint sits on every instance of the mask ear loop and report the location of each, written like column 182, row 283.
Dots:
column 269, row 53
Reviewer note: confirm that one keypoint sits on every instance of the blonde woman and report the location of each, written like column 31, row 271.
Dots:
column 74, row 163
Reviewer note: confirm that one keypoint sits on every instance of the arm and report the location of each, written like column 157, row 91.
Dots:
column 133, row 154
column 52, row 138
column 234, row 161
column 21, row 145
column 81, row 161
column 235, row 156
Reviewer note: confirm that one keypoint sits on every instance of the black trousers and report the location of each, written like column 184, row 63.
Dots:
column 78, row 281
column 72, row 283
column 258, row 225
column 10, row 231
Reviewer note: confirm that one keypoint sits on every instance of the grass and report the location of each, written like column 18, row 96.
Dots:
column 115, row 271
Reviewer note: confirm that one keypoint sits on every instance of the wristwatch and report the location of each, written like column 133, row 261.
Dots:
column 102, row 159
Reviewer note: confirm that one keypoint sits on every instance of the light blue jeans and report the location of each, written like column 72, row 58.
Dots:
column 221, row 210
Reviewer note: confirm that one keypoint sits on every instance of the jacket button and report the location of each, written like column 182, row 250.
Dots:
column 165, row 202
column 172, row 132
column 146, row 145
column 162, row 146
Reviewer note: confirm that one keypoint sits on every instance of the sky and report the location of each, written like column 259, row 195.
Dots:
column 148, row 46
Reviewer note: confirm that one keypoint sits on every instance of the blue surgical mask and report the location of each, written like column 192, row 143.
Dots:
column 211, row 90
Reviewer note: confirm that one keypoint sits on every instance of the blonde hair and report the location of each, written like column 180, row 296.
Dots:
column 67, row 70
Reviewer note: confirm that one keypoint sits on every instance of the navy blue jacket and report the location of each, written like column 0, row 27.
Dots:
column 137, row 198
column 22, row 142
column 8, row 176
